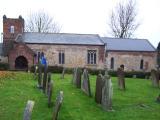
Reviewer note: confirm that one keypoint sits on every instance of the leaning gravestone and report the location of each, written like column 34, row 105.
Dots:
column 45, row 78
column 86, row 83
column 59, row 100
column 107, row 92
column 155, row 78
column 28, row 110
column 50, row 89
column 63, row 72
column 121, row 79
column 39, row 75
column 99, row 84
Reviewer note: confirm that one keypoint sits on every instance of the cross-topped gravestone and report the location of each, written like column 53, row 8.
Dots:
column 107, row 92
column 155, row 78
column 121, row 78
column 28, row 110
column 45, row 78
column 57, row 107
column 86, row 83
column 99, row 84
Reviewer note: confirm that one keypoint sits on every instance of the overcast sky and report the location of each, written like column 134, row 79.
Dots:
column 86, row 16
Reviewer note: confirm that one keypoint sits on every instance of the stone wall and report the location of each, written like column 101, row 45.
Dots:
column 75, row 55
column 131, row 60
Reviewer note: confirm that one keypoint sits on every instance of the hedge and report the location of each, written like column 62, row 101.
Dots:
column 129, row 74
column 4, row 66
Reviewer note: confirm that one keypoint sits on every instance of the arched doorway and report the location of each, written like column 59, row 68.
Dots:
column 21, row 63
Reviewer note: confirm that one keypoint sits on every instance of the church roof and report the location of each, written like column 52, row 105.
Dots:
column 124, row 44
column 62, row 38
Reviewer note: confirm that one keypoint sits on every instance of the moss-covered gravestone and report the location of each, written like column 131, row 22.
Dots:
column 77, row 77
column 39, row 75
column 45, row 78
column 50, row 90
column 86, row 83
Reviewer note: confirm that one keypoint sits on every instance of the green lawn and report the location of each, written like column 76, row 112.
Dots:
column 136, row 103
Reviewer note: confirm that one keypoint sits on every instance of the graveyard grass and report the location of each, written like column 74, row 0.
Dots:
column 136, row 103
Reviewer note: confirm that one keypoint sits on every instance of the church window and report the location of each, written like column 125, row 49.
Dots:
column 112, row 63
column 141, row 64
column 61, row 57
column 91, row 57
column 12, row 29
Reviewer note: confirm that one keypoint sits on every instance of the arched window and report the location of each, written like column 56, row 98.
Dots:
column 141, row 64
column 112, row 63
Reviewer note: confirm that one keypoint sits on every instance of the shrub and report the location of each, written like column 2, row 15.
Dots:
column 4, row 66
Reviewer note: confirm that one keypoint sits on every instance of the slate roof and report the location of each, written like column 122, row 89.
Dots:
column 62, row 38
column 118, row 44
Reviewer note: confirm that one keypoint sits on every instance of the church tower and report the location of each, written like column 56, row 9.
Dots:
column 11, row 28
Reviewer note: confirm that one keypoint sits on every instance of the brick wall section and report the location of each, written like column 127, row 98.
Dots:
column 131, row 60
column 75, row 55
column 20, row 50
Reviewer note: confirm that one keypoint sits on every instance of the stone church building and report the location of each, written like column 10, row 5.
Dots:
column 20, row 49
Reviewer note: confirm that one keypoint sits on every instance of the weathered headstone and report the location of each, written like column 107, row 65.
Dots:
column 86, row 83
column 121, row 78
column 39, row 75
column 45, row 78
column 78, row 78
column 28, row 110
column 50, row 89
column 155, row 78
column 63, row 72
column 74, row 76
column 47, row 83
column 99, row 84
column 107, row 93
column 57, row 107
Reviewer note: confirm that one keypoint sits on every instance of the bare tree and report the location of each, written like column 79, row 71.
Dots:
column 41, row 22
column 123, row 20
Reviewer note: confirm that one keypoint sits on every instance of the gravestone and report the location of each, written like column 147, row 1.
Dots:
column 121, row 79
column 35, row 71
column 45, row 78
column 155, row 78
column 74, row 76
column 28, row 110
column 57, row 107
column 39, row 75
column 99, row 84
column 50, row 90
column 86, row 83
column 63, row 72
column 47, row 83
column 78, row 78
column 107, row 93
